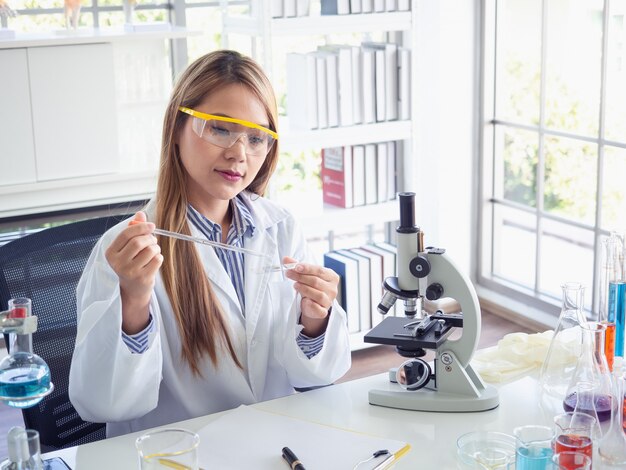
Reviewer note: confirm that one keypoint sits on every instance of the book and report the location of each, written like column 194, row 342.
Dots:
column 404, row 5
column 302, row 102
column 391, row 5
column 404, row 83
column 264, row 434
column 382, row 165
column 379, row 6
column 335, row 7
column 358, row 175
column 322, row 90
column 367, row 6
column 380, row 85
column 357, row 85
column 368, row 63
column 277, row 8
column 387, row 66
column 371, row 193
column 355, row 6
column 290, row 8
column 328, row 86
column 344, row 81
column 303, row 7
column 365, row 288
column 391, row 171
column 347, row 270
column 376, row 282
column 389, row 265
column 337, row 176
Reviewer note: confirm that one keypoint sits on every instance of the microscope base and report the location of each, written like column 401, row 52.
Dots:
column 433, row 400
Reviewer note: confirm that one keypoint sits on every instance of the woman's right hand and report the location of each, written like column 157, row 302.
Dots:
column 136, row 258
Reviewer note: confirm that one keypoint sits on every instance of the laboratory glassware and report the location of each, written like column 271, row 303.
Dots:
column 571, row 461
column 608, row 276
column 592, row 373
column 612, row 446
column 485, row 450
column 617, row 294
column 533, row 447
column 560, row 362
column 203, row 241
column 24, row 376
column 574, row 432
column 168, row 448
column 23, row 450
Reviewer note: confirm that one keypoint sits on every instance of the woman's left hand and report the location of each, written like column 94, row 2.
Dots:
column 318, row 287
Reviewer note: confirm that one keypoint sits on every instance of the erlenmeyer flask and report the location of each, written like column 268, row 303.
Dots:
column 560, row 362
column 593, row 371
column 612, row 447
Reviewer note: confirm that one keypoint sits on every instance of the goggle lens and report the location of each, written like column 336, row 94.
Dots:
column 224, row 134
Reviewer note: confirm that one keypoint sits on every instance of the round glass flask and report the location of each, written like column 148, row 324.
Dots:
column 24, row 376
column 560, row 362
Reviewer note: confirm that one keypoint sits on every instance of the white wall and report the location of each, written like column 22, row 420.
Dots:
column 446, row 104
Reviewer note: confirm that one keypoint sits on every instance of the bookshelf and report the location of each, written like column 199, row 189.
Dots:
column 264, row 32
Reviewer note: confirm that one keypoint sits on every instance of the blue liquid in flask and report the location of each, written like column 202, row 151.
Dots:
column 24, row 379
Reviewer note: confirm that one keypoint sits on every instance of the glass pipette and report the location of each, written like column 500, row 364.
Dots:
column 204, row 241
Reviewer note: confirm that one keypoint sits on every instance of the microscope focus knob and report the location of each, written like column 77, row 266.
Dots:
column 419, row 267
column 434, row 291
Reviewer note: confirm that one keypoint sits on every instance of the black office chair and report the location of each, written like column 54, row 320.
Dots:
column 45, row 267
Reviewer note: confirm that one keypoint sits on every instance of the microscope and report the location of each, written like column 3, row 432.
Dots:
column 449, row 384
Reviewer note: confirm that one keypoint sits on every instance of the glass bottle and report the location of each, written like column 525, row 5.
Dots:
column 560, row 361
column 24, row 376
column 612, row 447
column 592, row 371
column 23, row 449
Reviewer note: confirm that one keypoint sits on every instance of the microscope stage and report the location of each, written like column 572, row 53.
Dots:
column 384, row 333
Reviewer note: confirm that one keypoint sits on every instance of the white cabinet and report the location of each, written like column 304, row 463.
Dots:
column 56, row 125
column 73, row 110
column 80, row 117
column 17, row 149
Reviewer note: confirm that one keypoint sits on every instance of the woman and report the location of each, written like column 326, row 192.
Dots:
column 168, row 329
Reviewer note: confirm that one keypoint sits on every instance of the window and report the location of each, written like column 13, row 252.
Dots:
column 553, row 144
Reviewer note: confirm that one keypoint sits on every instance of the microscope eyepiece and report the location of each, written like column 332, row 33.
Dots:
column 407, row 213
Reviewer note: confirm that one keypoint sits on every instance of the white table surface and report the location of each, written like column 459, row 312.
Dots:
column 432, row 436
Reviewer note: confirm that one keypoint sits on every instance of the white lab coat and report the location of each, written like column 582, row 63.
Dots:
column 132, row 392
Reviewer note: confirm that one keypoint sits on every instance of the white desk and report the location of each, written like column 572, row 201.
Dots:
column 432, row 436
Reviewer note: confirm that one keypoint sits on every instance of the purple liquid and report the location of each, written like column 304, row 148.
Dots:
column 602, row 405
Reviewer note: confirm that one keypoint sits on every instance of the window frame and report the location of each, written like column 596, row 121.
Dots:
column 488, row 164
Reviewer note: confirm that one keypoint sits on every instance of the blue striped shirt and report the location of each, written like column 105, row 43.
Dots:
column 242, row 226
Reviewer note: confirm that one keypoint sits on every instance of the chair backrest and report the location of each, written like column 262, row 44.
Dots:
column 46, row 267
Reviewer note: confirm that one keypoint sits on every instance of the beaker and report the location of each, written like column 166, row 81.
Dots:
column 612, row 447
column 24, row 376
column 560, row 362
column 592, row 373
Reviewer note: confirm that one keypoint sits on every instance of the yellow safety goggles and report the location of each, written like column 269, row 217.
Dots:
column 224, row 132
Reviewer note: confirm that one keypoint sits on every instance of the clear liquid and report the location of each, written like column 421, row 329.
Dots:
column 24, row 382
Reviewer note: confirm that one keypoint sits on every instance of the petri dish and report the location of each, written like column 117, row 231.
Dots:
column 485, row 450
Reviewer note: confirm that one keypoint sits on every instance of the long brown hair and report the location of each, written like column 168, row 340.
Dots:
column 201, row 322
